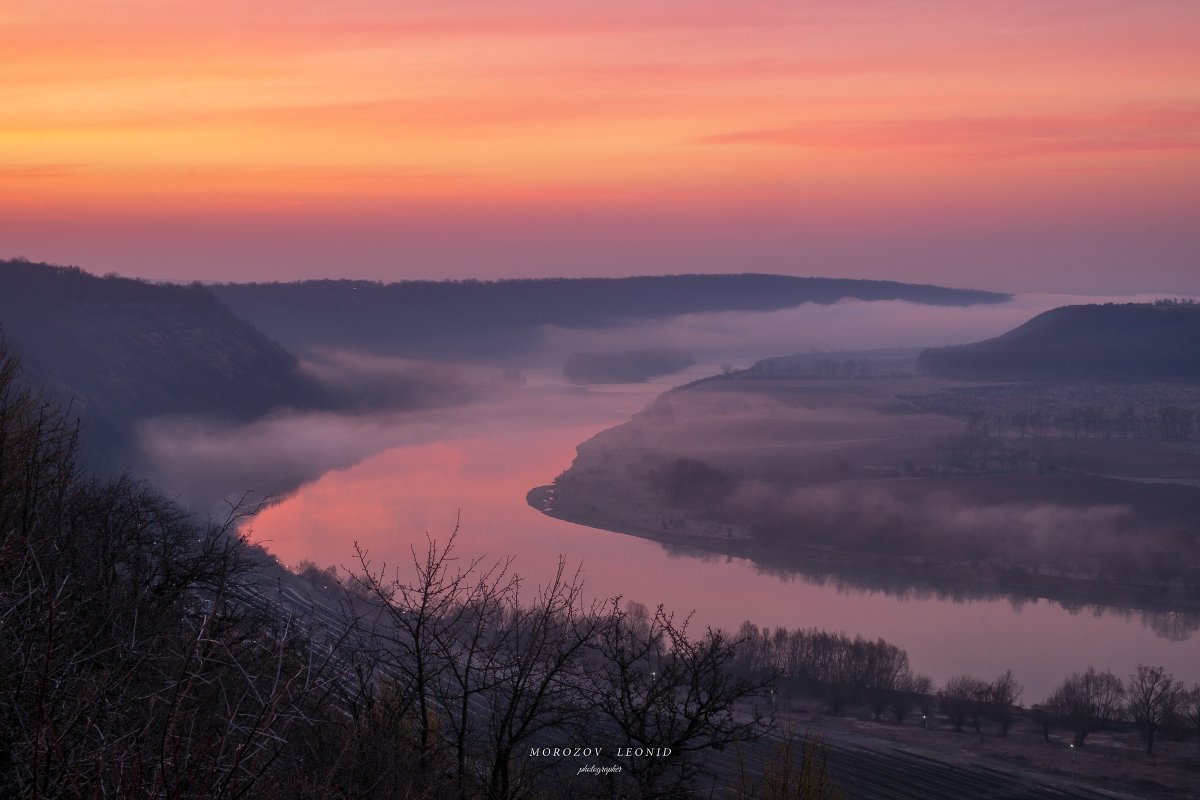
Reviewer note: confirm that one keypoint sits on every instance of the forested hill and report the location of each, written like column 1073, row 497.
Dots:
column 449, row 318
column 123, row 350
column 1131, row 342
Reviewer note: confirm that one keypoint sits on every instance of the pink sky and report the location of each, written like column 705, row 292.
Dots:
column 1021, row 146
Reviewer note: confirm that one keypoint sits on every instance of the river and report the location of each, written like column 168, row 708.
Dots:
column 472, row 466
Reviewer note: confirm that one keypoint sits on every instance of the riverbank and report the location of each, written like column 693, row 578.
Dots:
column 864, row 570
column 872, row 482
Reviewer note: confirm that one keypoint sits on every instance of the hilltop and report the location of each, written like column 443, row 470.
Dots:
column 122, row 350
column 1131, row 343
column 479, row 318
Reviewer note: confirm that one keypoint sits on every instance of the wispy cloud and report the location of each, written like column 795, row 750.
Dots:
column 1129, row 130
column 34, row 171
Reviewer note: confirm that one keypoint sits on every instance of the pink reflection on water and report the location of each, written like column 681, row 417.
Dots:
column 389, row 502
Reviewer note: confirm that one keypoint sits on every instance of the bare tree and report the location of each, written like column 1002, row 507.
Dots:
column 435, row 642
column 478, row 669
column 961, row 699
column 911, row 691
column 1003, row 696
column 885, row 674
column 131, row 659
column 923, row 692
column 672, row 695
column 1191, row 711
column 1153, row 697
column 415, row 613
column 1087, row 702
column 903, row 697
column 474, row 665
column 1044, row 716
column 541, row 676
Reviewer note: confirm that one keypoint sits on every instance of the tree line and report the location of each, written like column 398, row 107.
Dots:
column 128, row 665
column 1163, row 412
column 1150, row 698
column 845, row 671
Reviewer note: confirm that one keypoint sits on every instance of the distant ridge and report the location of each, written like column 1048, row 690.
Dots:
column 1134, row 342
column 441, row 318
column 122, row 350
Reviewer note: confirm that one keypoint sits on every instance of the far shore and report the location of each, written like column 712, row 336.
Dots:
column 874, row 571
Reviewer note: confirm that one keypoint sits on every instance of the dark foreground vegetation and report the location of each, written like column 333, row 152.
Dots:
column 121, row 351
column 143, row 655
column 843, row 672
column 128, row 667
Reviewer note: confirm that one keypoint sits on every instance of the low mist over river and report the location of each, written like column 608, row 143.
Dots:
column 478, row 472
column 385, row 480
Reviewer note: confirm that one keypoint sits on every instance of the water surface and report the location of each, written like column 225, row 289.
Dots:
column 476, row 464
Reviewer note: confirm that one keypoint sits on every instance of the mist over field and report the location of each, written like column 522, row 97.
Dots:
column 874, row 510
column 362, row 382
column 1092, row 537
column 741, row 337
column 388, row 401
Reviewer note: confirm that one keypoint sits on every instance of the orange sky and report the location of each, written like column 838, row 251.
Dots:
column 1011, row 145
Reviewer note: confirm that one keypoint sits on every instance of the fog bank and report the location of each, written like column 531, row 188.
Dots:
column 741, row 337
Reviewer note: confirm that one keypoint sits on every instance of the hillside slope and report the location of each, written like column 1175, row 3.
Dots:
column 122, row 350
column 1130, row 342
column 475, row 318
